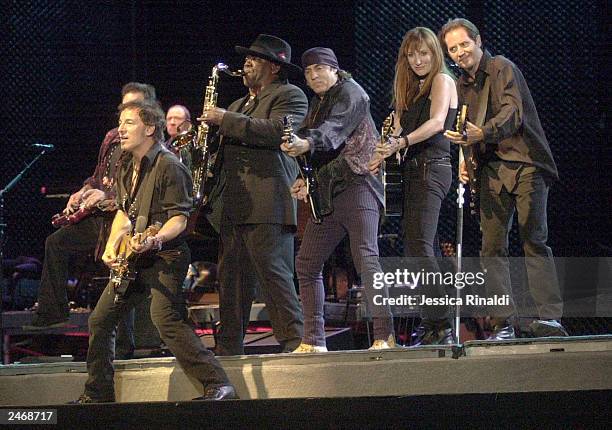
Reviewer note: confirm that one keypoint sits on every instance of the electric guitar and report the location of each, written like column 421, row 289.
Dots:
column 307, row 173
column 391, row 173
column 62, row 219
column 123, row 271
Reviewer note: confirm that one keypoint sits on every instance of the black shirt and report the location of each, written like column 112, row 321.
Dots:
column 172, row 192
column 436, row 146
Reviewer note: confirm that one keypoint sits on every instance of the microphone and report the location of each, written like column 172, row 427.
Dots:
column 46, row 146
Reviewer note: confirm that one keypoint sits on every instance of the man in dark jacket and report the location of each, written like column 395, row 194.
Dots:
column 340, row 136
column 258, row 215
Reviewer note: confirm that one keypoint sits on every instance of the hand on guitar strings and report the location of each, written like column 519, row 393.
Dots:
column 384, row 150
column 472, row 135
column 139, row 246
column 212, row 115
column 92, row 197
column 74, row 202
column 296, row 147
column 299, row 191
column 375, row 163
column 110, row 256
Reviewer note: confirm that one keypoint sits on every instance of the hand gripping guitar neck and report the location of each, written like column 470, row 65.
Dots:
column 307, row 173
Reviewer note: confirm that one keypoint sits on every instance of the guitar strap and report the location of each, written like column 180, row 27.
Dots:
column 147, row 194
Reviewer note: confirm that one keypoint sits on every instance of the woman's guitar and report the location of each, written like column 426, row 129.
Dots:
column 306, row 172
column 123, row 270
column 391, row 173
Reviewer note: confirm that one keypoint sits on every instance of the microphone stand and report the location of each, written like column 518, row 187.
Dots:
column 3, row 230
column 459, row 240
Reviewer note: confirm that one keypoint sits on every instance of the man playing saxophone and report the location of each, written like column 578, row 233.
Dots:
column 258, row 214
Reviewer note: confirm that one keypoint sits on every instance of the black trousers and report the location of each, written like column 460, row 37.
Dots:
column 426, row 184
column 506, row 188
column 257, row 254
column 163, row 279
column 61, row 248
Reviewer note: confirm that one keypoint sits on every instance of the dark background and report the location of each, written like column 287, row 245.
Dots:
column 64, row 62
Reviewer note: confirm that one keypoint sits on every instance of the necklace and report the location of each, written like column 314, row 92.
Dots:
column 135, row 174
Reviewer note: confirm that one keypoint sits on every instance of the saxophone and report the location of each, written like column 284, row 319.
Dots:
column 199, row 140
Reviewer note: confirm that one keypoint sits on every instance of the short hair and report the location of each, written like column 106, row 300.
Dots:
column 453, row 24
column 150, row 113
column 148, row 91
column 187, row 113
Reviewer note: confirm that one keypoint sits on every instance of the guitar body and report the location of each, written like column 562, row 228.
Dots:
column 391, row 174
column 312, row 186
column 124, row 271
column 308, row 175
column 62, row 219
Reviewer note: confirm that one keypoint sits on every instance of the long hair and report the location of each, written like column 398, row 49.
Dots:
column 406, row 82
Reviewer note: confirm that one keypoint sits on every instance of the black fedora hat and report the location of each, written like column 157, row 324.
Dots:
column 270, row 48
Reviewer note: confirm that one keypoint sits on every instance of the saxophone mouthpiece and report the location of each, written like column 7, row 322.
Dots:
column 225, row 68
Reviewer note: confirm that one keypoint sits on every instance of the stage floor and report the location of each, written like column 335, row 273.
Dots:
column 538, row 383
column 547, row 364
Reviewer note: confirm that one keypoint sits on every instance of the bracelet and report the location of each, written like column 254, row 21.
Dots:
column 157, row 242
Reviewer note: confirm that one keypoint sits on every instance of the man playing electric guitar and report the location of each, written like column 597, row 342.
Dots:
column 152, row 184
column 516, row 178
column 340, row 135
column 84, row 229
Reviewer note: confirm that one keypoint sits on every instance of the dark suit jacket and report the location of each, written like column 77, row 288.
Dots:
column 257, row 173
